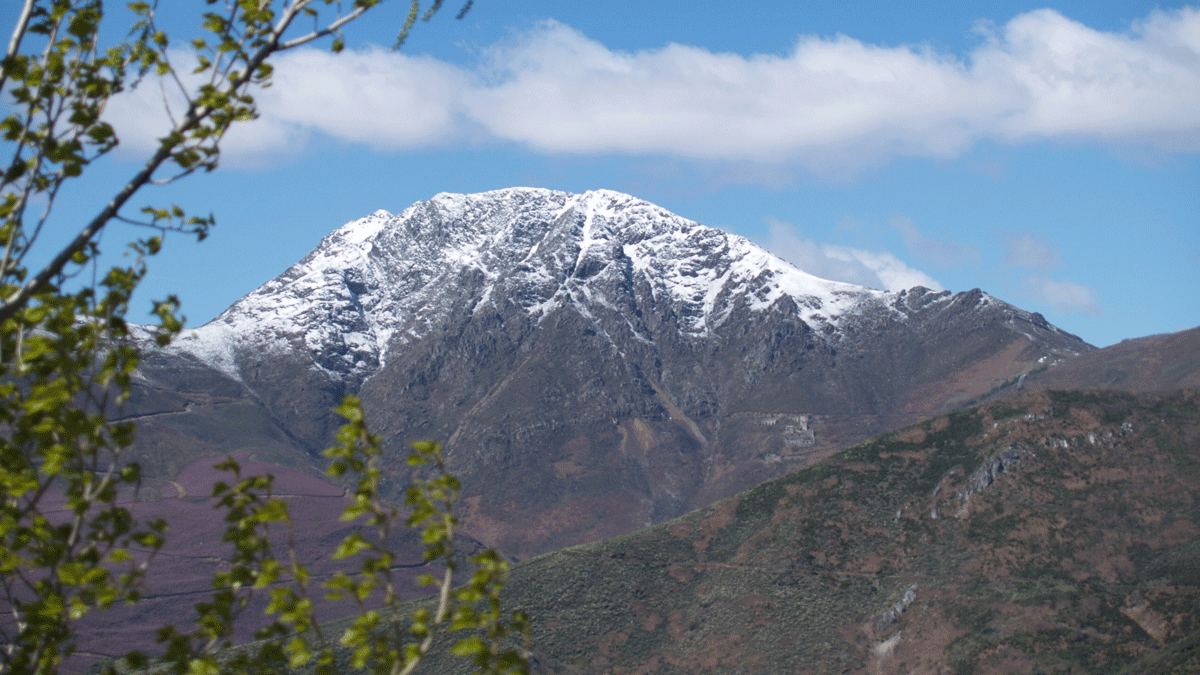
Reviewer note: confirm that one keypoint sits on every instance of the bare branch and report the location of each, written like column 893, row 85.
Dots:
column 328, row 30
column 14, row 43
column 135, row 223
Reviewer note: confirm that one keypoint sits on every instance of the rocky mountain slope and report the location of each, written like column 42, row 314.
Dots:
column 593, row 363
column 1052, row 532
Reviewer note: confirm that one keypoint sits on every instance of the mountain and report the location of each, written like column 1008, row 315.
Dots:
column 593, row 363
column 1051, row 532
column 1154, row 363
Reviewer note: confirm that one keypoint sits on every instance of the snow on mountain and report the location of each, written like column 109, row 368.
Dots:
column 591, row 362
column 381, row 282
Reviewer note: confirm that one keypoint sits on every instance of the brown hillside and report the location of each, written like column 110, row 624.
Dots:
column 1054, row 532
column 1154, row 363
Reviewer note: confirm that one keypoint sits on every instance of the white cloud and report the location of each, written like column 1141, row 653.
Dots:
column 832, row 105
column 1063, row 296
column 1072, row 80
column 1029, row 250
column 880, row 270
column 893, row 274
column 560, row 91
column 374, row 97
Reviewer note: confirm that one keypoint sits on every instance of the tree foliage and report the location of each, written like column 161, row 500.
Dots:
column 69, row 544
column 383, row 638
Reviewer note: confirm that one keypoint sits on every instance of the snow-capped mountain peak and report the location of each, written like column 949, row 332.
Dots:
column 591, row 362
column 381, row 282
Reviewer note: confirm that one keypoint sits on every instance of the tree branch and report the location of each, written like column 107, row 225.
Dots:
column 328, row 30
column 196, row 113
column 14, row 43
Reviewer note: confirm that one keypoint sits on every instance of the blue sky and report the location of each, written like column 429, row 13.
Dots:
column 1048, row 155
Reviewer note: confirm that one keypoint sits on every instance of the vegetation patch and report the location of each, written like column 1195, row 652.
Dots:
column 1005, row 410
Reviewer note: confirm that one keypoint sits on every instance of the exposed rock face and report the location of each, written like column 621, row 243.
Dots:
column 593, row 363
column 987, row 473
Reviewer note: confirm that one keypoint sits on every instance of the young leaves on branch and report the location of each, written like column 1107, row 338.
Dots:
column 387, row 636
column 68, row 542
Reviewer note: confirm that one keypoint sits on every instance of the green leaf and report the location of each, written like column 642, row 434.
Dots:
column 351, row 545
column 469, row 646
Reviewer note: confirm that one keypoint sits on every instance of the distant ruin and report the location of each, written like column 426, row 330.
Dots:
column 796, row 429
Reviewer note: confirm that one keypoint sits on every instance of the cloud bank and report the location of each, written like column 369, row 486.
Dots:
column 831, row 105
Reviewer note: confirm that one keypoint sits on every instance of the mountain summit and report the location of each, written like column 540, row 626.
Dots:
column 592, row 362
column 384, row 282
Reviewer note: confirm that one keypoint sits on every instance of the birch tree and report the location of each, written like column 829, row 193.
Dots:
column 67, row 356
